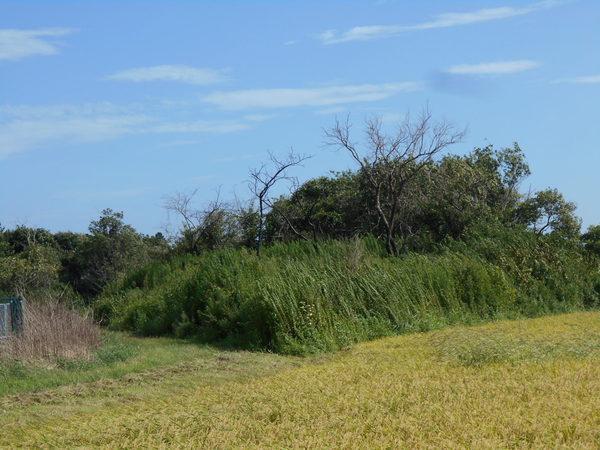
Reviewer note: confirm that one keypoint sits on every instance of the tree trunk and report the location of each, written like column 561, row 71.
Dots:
column 260, row 226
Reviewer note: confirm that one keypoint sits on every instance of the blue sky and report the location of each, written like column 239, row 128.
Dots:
column 119, row 104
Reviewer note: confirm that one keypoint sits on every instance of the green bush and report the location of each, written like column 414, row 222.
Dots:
column 304, row 297
column 552, row 273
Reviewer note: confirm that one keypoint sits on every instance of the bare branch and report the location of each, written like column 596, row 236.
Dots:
column 264, row 178
column 389, row 163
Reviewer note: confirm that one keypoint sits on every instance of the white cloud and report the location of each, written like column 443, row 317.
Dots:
column 24, row 128
column 21, row 135
column 587, row 79
column 493, row 68
column 445, row 20
column 55, row 111
column 182, row 74
column 296, row 97
column 18, row 44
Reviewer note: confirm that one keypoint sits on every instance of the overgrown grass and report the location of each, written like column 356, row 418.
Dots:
column 301, row 298
column 400, row 392
column 53, row 333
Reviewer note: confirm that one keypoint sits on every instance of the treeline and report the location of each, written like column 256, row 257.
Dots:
column 37, row 263
column 258, row 269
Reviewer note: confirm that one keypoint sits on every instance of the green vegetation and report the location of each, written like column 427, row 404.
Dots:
column 412, row 240
column 302, row 297
column 408, row 244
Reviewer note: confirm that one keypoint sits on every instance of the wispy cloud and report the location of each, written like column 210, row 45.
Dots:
column 445, row 20
column 24, row 128
column 20, row 135
column 297, row 97
column 493, row 68
column 17, row 44
column 176, row 73
column 587, row 79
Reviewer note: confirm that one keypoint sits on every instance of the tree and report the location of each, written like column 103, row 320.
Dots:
column 23, row 237
column 548, row 212
column 513, row 169
column 331, row 207
column 111, row 248
column 248, row 222
column 480, row 186
column 217, row 225
column 33, row 270
column 591, row 240
column 262, row 181
column 390, row 163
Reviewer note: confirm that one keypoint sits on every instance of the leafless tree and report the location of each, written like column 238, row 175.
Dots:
column 263, row 179
column 390, row 162
column 199, row 226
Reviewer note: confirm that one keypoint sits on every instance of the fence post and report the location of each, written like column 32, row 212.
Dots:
column 17, row 312
column 5, row 327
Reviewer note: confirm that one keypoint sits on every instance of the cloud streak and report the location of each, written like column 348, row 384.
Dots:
column 18, row 44
column 27, row 127
column 20, row 135
column 445, row 20
column 493, row 68
column 587, row 79
column 299, row 97
column 175, row 73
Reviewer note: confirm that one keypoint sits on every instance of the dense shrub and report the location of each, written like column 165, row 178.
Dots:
column 35, row 269
column 304, row 297
column 551, row 272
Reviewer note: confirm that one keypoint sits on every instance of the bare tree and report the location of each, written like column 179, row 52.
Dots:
column 263, row 179
column 390, row 162
column 206, row 227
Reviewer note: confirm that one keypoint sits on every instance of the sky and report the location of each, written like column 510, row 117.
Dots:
column 119, row 104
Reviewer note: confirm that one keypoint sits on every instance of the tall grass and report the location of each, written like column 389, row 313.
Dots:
column 304, row 297
column 52, row 332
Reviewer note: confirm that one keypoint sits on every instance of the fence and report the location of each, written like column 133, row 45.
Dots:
column 11, row 316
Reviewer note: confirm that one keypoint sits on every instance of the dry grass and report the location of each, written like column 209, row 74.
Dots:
column 402, row 392
column 52, row 331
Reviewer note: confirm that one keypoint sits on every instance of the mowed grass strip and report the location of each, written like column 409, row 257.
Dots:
column 530, row 383
column 122, row 360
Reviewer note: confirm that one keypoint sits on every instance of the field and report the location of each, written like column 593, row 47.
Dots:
column 529, row 383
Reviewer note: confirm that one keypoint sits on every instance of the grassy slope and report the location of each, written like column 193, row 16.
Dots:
column 521, row 383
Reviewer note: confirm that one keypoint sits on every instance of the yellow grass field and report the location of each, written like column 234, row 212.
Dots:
column 533, row 383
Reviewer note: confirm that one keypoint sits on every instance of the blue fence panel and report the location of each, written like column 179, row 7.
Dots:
column 11, row 316
column 16, row 314
column 5, row 322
